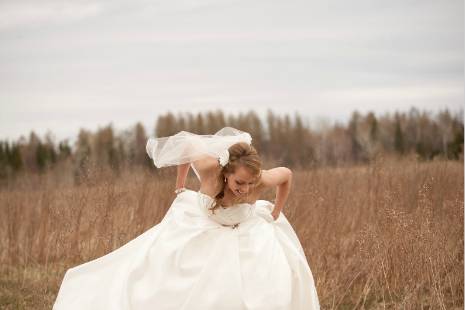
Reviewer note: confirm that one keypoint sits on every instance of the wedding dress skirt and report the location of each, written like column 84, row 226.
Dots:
column 236, row 258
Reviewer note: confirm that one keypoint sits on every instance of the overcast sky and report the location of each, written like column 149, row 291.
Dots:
column 71, row 64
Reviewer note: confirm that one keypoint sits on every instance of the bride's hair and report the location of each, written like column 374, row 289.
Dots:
column 241, row 154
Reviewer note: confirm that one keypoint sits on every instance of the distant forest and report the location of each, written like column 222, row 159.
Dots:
column 281, row 139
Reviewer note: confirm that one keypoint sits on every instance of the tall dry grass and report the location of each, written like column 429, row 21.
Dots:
column 384, row 236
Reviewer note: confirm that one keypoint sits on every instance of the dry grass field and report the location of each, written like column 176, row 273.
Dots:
column 384, row 236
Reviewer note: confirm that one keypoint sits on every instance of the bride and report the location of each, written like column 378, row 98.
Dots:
column 217, row 248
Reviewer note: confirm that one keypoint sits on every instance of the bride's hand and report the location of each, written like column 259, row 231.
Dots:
column 275, row 215
column 272, row 215
column 281, row 178
column 179, row 190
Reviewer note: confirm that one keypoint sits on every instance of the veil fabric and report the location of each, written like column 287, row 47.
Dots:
column 186, row 147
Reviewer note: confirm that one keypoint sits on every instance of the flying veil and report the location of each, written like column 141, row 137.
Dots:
column 186, row 147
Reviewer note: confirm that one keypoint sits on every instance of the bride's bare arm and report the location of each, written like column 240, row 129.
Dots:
column 183, row 170
column 203, row 166
column 200, row 165
column 281, row 177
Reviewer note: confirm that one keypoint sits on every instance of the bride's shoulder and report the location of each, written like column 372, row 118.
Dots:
column 275, row 176
column 206, row 165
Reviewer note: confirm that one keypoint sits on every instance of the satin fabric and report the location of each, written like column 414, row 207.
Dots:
column 190, row 260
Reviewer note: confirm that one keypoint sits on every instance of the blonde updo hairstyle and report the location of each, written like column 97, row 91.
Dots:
column 241, row 154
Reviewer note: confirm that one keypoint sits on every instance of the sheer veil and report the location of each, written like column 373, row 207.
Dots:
column 186, row 147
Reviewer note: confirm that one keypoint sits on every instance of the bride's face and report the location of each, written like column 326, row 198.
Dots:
column 240, row 182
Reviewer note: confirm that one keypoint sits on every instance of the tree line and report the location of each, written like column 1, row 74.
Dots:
column 283, row 139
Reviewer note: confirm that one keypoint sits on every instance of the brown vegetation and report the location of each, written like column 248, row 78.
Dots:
column 384, row 235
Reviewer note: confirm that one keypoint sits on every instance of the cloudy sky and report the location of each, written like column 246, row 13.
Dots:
column 71, row 64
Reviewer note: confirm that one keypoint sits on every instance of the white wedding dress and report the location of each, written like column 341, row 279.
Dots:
column 193, row 260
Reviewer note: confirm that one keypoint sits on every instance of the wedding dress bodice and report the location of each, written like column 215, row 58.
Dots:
column 226, row 216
